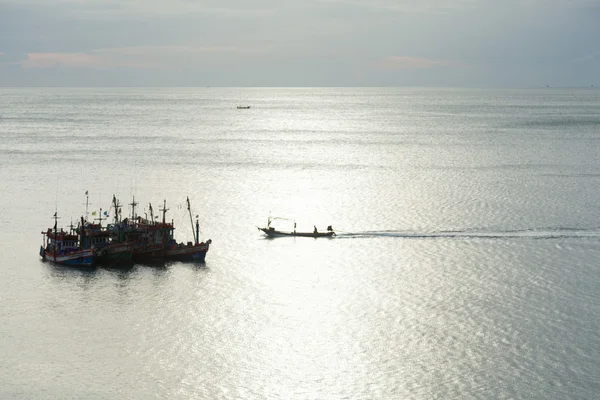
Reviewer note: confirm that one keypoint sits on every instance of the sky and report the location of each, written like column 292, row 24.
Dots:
column 233, row 43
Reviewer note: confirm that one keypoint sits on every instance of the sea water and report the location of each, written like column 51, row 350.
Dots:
column 466, row 261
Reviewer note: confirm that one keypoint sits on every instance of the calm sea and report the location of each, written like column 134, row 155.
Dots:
column 466, row 264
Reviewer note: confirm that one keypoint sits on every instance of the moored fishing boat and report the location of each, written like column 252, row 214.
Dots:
column 134, row 239
column 115, row 254
column 187, row 252
column 64, row 248
column 141, row 237
column 195, row 251
column 94, row 236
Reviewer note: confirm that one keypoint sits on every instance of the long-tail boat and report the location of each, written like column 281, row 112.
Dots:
column 272, row 232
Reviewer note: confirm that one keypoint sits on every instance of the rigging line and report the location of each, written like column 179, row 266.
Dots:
column 282, row 218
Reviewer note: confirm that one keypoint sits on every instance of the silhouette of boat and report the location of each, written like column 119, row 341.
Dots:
column 272, row 232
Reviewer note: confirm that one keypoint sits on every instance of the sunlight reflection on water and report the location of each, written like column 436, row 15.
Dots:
column 464, row 265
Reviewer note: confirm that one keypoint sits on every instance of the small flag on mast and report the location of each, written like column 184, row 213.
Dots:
column 86, row 192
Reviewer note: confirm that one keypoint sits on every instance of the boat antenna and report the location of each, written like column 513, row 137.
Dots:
column 191, row 220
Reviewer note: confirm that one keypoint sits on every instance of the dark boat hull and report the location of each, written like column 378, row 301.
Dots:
column 274, row 233
column 115, row 253
column 148, row 253
column 190, row 252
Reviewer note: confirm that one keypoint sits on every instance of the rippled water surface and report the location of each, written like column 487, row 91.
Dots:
column 466, row 263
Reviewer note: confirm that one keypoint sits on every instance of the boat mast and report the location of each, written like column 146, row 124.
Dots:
column 87, row 198
column 117, row 207
column 100, row 218
column 55, row 223
column 197, row 230
column 192, row 221
column 164, row 210
column 55, row 233
column 133, row 204
column 82, row 235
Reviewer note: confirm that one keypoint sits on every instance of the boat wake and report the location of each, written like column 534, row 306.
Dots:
column 541, row 233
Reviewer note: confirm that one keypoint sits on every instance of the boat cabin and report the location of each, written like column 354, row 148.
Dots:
column 95, row 237
column 60, row 242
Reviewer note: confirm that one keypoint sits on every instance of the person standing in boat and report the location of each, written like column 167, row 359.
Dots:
column 294, row 226
column 315, row 231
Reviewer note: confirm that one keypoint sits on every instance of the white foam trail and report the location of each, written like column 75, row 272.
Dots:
column 541, row 233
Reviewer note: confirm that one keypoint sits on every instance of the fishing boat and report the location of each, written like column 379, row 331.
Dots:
column 190, row 251
column 115, row 254
column 133, row 239
column 107, row 249
column 64, row 248
column 146, row 236
column 243, row 107
column 151, row 240
column 272, row 232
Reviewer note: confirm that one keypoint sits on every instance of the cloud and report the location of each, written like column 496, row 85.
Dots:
column 158, row 50
column 145, row 57
column 403, row 62
column 586, row 58
column 11, row 58
column 407, row 6
column 75, row 60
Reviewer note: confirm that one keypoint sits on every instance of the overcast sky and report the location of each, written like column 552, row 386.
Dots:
column 473, row 43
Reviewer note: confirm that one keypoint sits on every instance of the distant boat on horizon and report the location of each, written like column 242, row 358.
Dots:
column 243, row 107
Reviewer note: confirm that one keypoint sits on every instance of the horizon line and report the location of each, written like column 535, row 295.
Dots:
column 289, row 87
